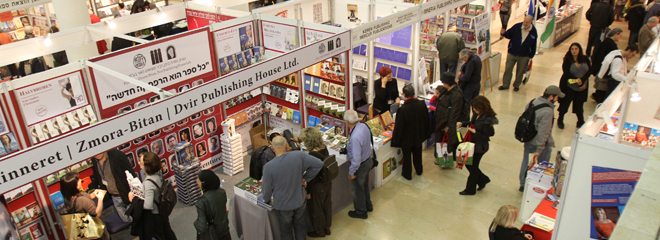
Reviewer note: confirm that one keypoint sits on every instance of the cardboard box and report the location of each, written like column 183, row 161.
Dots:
column 258, row 136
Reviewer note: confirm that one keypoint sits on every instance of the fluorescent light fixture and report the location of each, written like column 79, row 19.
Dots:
column 635, row 97
column 47, row 41
column 111, row 24
column 635, row 92
column 162, row 13
column 611, row 128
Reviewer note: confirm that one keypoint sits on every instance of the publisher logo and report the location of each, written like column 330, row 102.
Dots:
column 321, row 48
column 171, row 52
column 41, row 111
column 331, row 45
column 338, row 43
column 139, row 61
column 538, row 190
column 156, row 56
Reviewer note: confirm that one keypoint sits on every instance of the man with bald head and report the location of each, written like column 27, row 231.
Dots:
column 285, row 178
column 522, row 47
column 646, row 35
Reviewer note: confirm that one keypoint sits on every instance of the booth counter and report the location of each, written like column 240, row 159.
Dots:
column 567, row 22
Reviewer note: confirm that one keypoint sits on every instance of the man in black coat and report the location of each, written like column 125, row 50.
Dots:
column 109, row 174
column 469, row 78
column 601, row 16
column 608, row 45
column 448, row 111
column 635, row 17
column 411, row 130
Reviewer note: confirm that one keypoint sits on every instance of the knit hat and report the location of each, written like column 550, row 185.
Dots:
column 614, row 32
column 448, row 78
column 384, row 71
column 209, row 180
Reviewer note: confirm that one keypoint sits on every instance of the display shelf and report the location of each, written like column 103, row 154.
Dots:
column 241, row 106
column 282, row 102
column 325, row 97
column 58, row 180
column 326, row 79
column 317, row 113
column 285, row 85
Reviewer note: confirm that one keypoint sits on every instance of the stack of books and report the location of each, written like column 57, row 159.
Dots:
column 232, row 153
column 250, row 189
column 186, row 167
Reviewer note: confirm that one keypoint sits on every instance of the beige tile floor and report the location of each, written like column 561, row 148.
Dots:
column 434, row 209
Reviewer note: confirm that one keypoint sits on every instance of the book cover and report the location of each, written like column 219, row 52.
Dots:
column 472, row 10
column 387, row 120
column 363, row 50
column 34, row 210
column 460, row 22
column 653, row 138
column 320, row 105
column 629, row 132
column 296, row 117
column 341, row 93
column 289, row 114
column 316, row 85
column 325, row 88
column 21, row 216
column 327, row 106
column 376, row 126
column 480, row 9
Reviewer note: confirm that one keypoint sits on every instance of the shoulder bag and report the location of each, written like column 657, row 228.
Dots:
column 80, row 226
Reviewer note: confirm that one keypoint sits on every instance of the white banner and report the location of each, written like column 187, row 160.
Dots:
column 160, row 65
column 383, row 26
column 234, row 39
column 11, row 5
column 36, row 162
column 315, row 35
column 50, row 98
column 279, row 37
column 482, row 34
column 434, row 7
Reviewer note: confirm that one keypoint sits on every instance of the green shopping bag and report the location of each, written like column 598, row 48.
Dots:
column 441, row 154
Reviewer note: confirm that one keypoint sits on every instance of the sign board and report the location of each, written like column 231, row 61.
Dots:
column 383, row 26
column 11, row 5
column 279, row 37
column 434, row 7
column 177, row 63
column 482, row 34
column 36, row 162
column 52, row 97
column 312, row 35
column 197, row 19
column 234, row 39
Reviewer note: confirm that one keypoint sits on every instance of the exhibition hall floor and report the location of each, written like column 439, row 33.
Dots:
column 429, row 206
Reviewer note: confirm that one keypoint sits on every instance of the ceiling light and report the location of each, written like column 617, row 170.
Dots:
column 47, row 41
column 111, row 24
column 162, row 13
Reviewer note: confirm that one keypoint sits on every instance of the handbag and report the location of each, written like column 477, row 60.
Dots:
column 465, row 151
column 78, row 226
column 211, row 234
column 442, row 155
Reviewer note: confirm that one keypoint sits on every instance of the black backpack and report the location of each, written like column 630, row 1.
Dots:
column 256, row 167
column 525, row 130
column 330, row 169
column 167, row 199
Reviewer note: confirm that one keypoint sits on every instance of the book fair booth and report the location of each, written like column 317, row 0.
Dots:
column 601, row 168
column 206, row 97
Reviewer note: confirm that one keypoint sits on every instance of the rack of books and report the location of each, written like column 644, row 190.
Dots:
column 40, row 17
column 325, row 89
column 186, row 167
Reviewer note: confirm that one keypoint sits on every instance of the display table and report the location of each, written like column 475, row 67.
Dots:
column 544, row 208
column 254, row 222
column 388, row 163
column 566, row 23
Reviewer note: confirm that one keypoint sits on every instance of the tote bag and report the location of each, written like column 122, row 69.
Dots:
column 465, row 151
column 442, row 156
column 80, row 226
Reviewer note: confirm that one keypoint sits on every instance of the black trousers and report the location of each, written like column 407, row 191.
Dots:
column 156, row 226
column 416, row 152
column 594, row 39
column 476, row 175
column 611, row 85
column 319, row 207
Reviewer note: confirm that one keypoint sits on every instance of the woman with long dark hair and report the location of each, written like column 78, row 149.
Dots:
column 77, row 201
column 211, row 207
column 574, row 83
column 483, row 120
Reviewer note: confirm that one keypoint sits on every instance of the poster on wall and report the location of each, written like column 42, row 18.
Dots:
column 175, row 64
column 482, row 29
column 197, row 19
column 52, row 97
column 235, row 39
column 279, row 37
column 318, row 13
column 610, row 190
column 399, row 38
column 352, row 12
column 314, row 35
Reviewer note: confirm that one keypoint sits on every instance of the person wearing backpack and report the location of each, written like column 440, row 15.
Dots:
column 608, row 45
column 211, row 208
column 449, row 109
column 318, row 191
column 153, row 223
column 411, row 130
column 614, row 67
column 542, row 143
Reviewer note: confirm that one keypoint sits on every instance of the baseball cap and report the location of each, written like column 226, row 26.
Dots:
column 554, row 90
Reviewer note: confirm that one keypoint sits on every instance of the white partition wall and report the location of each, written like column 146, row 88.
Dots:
column 316, row 11
column 343, row 9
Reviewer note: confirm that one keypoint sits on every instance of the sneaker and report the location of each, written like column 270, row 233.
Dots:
column 354, row 214
column 502, row 88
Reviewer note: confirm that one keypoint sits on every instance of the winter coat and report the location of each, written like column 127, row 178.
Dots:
column 563, row 82
column 449, row 44
column 412, row 124
column 517, row 47
column 600, row 15
column 118, row 164
column 471, row 71
column 635, row 17
column 484, row 129
column 446, row 117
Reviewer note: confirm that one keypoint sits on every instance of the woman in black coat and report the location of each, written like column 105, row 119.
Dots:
column 574, row 83
column 386, row 91
column 411, row 130
column 483, row 121
column 319, row 197
column 211, row 207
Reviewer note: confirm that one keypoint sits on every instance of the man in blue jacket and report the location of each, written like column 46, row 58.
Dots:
column 522, row 47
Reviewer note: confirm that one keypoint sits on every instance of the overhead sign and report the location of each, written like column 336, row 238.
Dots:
column 312, row 35
column 383, row 26
column 11, row 5
column 434, row 7
column 197, row 19
column 34, row 163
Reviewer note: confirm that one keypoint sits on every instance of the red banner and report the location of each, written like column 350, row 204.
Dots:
column 197, row 19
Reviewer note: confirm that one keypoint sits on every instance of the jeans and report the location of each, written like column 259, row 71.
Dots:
column 416, row 152
column 448, row 66
column 477, row 177
column 361, row 195
column 594, row 39
column 529, row 149
column 504, row 17
column 521, row 65
column 120, row 207
column 470, row 91
column 293, row 219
